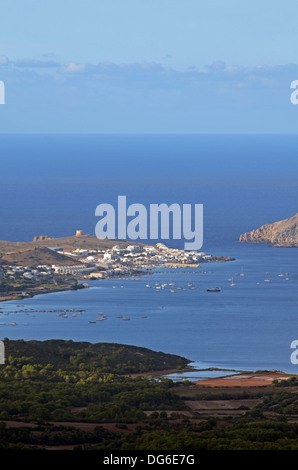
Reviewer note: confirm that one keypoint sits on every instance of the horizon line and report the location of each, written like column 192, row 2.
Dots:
column 154, row 133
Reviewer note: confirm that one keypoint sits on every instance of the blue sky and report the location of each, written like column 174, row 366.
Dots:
column 162, row 66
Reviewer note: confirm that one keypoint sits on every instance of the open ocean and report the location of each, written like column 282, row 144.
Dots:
column 51, row 185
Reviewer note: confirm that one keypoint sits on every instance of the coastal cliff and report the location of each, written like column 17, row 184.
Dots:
column 283, row 233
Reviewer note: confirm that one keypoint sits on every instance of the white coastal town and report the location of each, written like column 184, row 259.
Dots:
column 42, row 267
column 126, row 260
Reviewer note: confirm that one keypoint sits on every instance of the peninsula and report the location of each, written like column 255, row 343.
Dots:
column 283, row 233
column 48, row 264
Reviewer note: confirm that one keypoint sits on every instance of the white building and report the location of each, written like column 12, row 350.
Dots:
column 133, row 248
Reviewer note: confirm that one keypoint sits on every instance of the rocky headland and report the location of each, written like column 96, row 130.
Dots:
column 283, row 233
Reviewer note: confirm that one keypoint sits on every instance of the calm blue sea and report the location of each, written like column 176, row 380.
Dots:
column 52, row 184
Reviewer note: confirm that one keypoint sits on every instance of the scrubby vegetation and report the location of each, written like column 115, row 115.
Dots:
column 78, row 395
column 86, row 357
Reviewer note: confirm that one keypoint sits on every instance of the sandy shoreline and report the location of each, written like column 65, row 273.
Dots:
column 246, row 379
column 239, row 379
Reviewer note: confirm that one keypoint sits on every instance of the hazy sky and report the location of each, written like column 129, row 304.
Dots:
column 160, row 66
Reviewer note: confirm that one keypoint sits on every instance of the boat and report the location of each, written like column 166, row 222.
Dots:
column 214, row 289
column 92, row 321
column 232, row 283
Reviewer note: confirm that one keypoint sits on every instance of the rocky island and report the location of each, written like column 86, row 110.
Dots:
column 283, row 233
